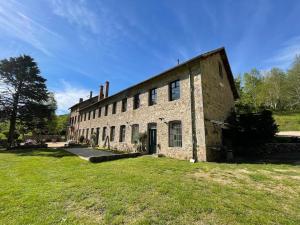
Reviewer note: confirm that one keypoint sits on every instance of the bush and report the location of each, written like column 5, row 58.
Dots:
column 251, row 129
column 81, row 139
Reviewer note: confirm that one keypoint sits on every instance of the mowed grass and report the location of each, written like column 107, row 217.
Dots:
column 55, row 187
column 288, row 121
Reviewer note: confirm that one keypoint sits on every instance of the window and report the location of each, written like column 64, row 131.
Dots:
column 82, row 132
column 106, row 110
column 81, row 117
column 92, row 131
column 122, row 133
column 112, row 133
column 114, row 108
column 104, row 134
column 153, row 96
column 124, row 105
column 174, row 90
column 220, row 70
column 75, row 120
column 134, row 133
column 175, row 134
column 99, row 112
column 89, row 116
column 136, row 101
column 87, row 133
column 94, row 113
column 84, row 116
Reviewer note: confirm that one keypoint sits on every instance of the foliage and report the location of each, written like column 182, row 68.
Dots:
column 81, row 139
column 252, row 129
column 144, row 190
column 275, row 89
column 24, row 96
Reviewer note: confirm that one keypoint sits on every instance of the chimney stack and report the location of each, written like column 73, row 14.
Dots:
column 91, row 94
column 80, row 100
column 101, row 95
column 106, row 89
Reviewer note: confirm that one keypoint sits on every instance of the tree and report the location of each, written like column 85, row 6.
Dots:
column 293, row 84
column 273, row 90
column 23, row 91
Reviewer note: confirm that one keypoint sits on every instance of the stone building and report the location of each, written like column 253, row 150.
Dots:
column 178, row 113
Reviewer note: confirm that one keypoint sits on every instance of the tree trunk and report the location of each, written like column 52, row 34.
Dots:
column 12, row 125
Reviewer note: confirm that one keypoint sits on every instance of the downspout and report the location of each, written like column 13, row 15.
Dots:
column 193, row 117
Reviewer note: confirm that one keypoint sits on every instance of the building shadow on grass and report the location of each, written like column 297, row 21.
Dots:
column 45, row 152
column 290, row 158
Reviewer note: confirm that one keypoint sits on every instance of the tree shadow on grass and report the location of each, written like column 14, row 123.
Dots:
column 44, row 152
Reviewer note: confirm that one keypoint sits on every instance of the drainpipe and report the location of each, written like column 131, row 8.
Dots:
column 193, row 117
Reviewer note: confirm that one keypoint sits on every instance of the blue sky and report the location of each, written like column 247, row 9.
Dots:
column 80, row 44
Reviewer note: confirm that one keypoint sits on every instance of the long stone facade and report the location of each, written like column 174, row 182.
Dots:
column 192, row 101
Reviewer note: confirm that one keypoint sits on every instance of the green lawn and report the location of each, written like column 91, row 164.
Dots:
column 288, row 121
column 54, row 187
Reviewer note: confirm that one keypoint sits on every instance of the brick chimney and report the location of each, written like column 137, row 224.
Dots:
column 101, row 95
column 80, row 100
column 91, row 94
column 106, row 89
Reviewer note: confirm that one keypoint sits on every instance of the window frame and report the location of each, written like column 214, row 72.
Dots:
column 133, row 139
column 99, row 112
column 151, row 101
column 104, row 129
column 112, row 133
column 121, row 137
column 114, row 108
column 171, row 94
column 124, row 105
column 173, row 142
column 136, row 101
column 106, row 110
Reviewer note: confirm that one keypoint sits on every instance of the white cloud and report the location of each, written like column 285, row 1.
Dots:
column 285, row 56
column 15, row 23
column 76, row 12
column 68, row 96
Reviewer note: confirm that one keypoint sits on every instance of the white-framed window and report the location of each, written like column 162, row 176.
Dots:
column 175, row 134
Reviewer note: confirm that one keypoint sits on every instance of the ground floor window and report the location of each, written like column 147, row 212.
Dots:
column 175, row 134
column 122, row 133
column 134, row 133
column 112, row 133
column 104, row 134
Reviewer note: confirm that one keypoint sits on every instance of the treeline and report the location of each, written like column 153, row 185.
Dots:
column 276, row 89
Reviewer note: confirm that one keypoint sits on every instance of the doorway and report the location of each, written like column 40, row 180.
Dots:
column 152, row 140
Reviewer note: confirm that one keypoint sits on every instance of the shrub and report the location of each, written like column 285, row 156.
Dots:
column 251, row 129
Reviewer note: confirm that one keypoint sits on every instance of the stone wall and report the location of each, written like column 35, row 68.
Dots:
column 218, row 102
column 161, row 114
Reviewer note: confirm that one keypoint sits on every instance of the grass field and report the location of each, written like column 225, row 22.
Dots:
column 288, row 121
column 55, row 187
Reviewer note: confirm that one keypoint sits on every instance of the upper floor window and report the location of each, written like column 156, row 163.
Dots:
column 89, row 115
column 112, row 133
column 122, row 133
column 99, row 112
column 124, row 105
column 106, row 110
column 104, row 134
column 85, row 116
column 94, row 113
column 153, row 96
column 220, row 70
column 175, row 134
column 114, row 108
column 136, row 101
column 174, row 90
column 135, row 133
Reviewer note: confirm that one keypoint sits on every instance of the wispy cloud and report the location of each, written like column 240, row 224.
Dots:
column 15, row 23
column 67, row 96
column 283, row 58
column 77, row 13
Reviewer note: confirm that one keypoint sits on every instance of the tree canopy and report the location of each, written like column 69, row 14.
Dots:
column 24, row 95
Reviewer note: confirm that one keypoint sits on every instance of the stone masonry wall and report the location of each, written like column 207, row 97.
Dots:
column 218, row 101
column 161, row 113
